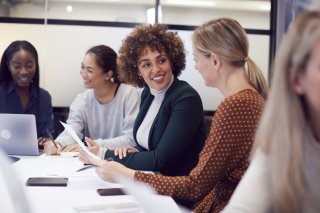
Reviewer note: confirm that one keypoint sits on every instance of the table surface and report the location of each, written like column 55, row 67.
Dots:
column 81, row 191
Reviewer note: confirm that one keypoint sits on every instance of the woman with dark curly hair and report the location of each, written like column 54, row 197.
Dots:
column 169, row 129
column 150, row 37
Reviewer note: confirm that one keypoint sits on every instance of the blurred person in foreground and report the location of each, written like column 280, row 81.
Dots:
column 285, row 170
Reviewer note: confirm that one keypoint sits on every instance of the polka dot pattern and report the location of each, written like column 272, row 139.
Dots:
column 223, row 159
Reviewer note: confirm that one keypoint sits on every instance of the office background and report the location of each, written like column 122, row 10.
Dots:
column 63, row 30
column 62, row 37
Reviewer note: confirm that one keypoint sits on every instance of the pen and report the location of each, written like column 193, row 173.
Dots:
column 89, row 165
column 86, row 167
column 51, row 138
column 108, row 159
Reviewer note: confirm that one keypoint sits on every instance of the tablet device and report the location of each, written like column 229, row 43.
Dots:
column 47, row 181
column 110, row 192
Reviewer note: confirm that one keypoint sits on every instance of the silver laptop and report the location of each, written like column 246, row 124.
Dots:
column 18, row 134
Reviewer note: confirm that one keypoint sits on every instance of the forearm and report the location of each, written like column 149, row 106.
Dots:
column 214, row 165
column 182, row 187
column 144, row 160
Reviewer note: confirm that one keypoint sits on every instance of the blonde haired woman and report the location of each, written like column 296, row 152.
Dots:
column 220, row 49
column 284, row 173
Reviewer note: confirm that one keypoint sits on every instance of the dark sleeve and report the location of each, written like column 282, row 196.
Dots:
column 45, row 120
column 185, row 114
column 3, row 102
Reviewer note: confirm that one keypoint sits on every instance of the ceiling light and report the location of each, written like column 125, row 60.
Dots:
column 69, row 8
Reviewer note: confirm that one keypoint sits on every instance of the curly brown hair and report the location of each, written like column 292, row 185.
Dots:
column 156, row 37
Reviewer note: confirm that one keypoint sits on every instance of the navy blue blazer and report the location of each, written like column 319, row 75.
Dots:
column 176, row 136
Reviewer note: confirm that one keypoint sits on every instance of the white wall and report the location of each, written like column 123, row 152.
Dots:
column 28, row 10
column 66, row 53
column 196, row 16
column 83, row 11
column 61, row 48
column 4, row 10
column 31, row 32
column 98, row 12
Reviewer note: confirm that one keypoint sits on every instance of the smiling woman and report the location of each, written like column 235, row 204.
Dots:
column 151, row 61
column 22, row 67
column 104, row 112
column 169, row 129
column 19, row 86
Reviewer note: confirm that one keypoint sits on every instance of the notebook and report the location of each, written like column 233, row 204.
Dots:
column 18, row 134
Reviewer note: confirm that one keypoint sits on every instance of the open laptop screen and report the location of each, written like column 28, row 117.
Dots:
column 18, row 134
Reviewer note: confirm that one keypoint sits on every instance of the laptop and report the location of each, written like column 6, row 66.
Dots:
column 18, row 134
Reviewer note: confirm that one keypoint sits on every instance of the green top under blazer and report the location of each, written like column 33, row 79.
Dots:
column 176, row 136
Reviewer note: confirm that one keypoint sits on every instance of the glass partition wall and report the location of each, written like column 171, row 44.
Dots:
column 62, row 30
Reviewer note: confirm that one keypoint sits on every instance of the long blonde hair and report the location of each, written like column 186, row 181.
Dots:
column 229, row 40
column 284, row 126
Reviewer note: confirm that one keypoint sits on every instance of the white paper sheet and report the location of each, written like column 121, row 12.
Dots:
column 77, row 139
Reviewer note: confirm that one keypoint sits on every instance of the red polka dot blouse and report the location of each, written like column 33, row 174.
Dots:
column 223, row 159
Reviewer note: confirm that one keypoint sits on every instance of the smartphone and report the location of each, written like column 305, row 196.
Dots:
column 46, row 181
column 110, row 192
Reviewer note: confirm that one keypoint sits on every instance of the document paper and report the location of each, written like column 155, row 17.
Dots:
column 75, row 136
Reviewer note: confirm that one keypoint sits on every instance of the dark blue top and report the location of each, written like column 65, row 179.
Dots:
column 176, row 136
column 39, row 105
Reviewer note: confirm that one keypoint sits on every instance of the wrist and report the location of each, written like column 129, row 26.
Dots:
column 129, row 173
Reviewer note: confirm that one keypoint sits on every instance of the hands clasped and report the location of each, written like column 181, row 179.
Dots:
column 122, row 151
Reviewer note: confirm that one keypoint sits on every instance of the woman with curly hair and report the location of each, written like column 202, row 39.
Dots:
column 169, row 129
column 220, row 50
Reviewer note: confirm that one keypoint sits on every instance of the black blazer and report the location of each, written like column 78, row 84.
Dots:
column 176, row 136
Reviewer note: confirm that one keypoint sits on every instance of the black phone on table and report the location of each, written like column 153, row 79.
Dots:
column 47, row 181
column 110, row 192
